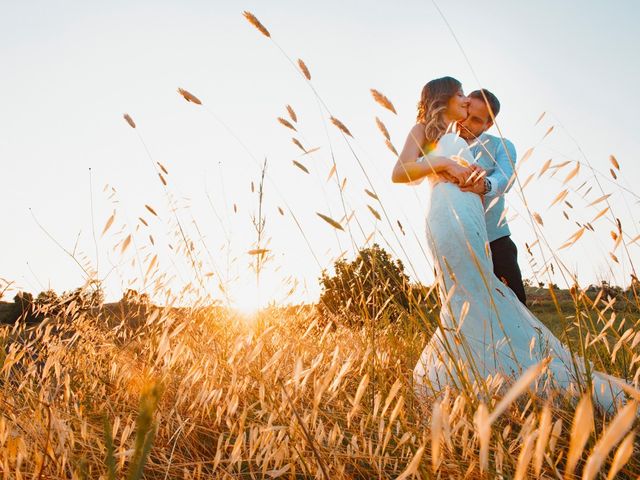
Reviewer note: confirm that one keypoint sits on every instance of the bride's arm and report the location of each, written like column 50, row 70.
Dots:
column 408, row 169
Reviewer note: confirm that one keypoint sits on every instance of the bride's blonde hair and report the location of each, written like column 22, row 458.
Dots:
column 433, row 102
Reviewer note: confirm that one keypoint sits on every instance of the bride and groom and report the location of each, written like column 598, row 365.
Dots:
column 484, row 326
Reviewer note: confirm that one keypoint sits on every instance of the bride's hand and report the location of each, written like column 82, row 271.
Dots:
column 458, row 173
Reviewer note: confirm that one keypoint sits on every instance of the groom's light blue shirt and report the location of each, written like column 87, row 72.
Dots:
column 497, row 156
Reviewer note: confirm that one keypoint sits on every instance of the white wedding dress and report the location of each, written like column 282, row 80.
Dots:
column 484, row 329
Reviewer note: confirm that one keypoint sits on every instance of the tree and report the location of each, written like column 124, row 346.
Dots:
column 23, row 307
column 366, row 288
column 132, row 298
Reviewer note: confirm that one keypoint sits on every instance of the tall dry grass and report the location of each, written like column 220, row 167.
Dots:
column 200, row 393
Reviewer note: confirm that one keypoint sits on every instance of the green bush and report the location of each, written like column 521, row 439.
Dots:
column 365, row 289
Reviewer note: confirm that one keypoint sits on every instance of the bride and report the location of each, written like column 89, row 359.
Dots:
column 483, row 328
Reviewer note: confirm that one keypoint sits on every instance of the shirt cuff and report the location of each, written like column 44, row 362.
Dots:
column 492, row 190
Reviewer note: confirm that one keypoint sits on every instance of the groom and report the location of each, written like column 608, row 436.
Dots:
column 496, row 156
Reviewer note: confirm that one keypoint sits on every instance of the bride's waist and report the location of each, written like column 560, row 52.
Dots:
column 444, row 192
column 435, row 180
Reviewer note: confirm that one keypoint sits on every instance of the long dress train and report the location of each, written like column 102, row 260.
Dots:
column 484, row 329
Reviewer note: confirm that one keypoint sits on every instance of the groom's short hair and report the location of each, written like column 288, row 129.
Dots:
column 493, row 101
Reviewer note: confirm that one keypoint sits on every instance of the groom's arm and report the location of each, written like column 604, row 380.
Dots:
column 501, row 177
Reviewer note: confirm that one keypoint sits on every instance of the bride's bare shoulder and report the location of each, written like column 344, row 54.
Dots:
column 418, row 128
column 417, row 133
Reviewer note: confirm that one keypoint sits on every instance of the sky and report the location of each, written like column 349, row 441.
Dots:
column 69, row 160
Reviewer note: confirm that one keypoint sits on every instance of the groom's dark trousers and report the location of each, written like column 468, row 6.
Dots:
column 505, row 265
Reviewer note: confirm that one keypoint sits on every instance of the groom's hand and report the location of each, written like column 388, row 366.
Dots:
column 476, row 187
column 448, row 178
column 475, row 181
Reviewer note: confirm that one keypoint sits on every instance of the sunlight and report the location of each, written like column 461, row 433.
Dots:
column 246, row 298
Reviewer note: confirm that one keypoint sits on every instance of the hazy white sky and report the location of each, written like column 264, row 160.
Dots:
column 71, row 69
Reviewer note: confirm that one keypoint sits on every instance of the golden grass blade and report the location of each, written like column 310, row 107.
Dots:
column 400, row 226
column 614, row 162
column 540, row 118
column 292, row 113
column 374, row 212
column 538, row 219
column 483, row 429
column 162, row 167
column 545, row 167
column 436, row 435
column 129, row 120
column 464, row 311
column 286, row 123
column 369, row 237
column 258, row 251
column 331, row 172
column 341, row 126
column 304, row 69
column 617, row 428
column 600, row 214
column 297, row 143
column 527, row 181
column 148, row 207
column 300, row 166
column 110, row 221
column 153, row 262
column 189, row 97
column 126, row 243
column 518, row 388
column 561, row 165
column 311, row 150
column 613, row 257
column 280, row 211
column 395, row 388
column 573, row 238
column 330, row 221
column 492, row 204
column 413, row 466
column 555, row 434
column 391, row 147
column 561, row 196
column 362, row 387
column 371, row 194
column 600, row 199
column 527, row 155
column 382, row 100
column 548, row 132
column 613, row 174
column 634, row 240
column 525, row 456
column 544, row 430
column 580, row 431
column 622, row 456
column 251, row 18
column 572, row 174
column 383, row 129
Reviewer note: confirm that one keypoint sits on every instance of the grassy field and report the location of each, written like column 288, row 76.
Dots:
column 186, row 393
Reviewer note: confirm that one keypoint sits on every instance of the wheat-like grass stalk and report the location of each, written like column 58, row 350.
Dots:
column 251, row 18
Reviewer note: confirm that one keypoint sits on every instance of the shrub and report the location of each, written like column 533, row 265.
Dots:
column 370, row 286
